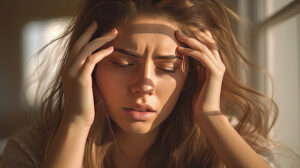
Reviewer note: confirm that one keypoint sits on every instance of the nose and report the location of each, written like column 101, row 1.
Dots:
column 145, row 80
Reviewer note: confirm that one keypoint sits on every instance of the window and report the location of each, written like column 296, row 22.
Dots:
column 35, row 35
column 282, row 41
column 277, row 46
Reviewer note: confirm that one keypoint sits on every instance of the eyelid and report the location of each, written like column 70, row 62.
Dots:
column 162, row 67
column 126, row 65
column 129, row 53
column 122, row 65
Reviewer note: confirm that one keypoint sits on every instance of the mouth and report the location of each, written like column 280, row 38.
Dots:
column 137, row 110
column 140, row 108
column 140, row 112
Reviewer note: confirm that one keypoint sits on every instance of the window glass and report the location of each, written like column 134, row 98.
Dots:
column 283, row 61
column 274, row 6
column 35, row 35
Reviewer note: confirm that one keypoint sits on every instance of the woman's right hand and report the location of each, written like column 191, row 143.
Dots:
column 77, row 82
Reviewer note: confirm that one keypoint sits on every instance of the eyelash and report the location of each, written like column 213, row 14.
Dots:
column 124, row 66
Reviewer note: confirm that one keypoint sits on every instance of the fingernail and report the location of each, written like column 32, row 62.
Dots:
column 114, row 30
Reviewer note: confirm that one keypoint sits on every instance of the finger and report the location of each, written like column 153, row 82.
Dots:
column 199, row 56
column 197, row 45
column 210, row 43
column 92, row 46
column 208, row 33
column 79, row 43
column 82, row 40
column 208, row 40
column 204, row 38
column 91, row 61
column 216, row 50
column 217, row 55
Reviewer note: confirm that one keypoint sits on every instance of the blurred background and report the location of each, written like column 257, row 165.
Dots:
column 26, row 26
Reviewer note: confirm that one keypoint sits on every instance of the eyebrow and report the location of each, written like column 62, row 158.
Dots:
column 139, row 56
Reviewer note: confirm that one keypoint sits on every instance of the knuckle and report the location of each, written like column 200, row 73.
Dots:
column 89, row 60
column 105, row 39
column 89, row 47
column 203, row 47
column 88, row 68
column 190, row 39
column 212, row 42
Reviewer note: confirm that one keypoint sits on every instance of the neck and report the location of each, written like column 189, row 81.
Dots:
column 132, row 147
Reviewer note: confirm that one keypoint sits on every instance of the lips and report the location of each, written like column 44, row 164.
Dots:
column 140, row 108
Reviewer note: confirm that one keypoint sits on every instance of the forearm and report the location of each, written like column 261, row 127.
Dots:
column 67, row 149
column 230, row 146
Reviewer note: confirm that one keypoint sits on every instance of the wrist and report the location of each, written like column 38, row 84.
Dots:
column 207, row 117
column 76, row 123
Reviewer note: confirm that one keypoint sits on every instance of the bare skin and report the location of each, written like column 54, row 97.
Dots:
column 67, row 149
column 134, row 138
column 229, row 145
column 141, row 80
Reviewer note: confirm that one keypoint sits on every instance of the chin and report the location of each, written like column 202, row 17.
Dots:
column 139, row 127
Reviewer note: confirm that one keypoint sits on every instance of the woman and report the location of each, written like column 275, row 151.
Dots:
column 159, row 90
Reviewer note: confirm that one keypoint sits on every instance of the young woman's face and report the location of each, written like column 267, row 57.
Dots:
column 144, row 68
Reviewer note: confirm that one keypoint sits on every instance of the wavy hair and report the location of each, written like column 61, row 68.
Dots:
column 180, row 142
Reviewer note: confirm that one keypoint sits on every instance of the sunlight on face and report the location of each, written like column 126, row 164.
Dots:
column 144, row 68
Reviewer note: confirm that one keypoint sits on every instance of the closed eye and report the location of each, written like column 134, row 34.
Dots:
column 121, row 64
column 173, row 70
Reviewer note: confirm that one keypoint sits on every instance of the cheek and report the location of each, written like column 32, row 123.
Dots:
column 109, row 82
column 165, row 86
column 171, row 84
column 168, row 90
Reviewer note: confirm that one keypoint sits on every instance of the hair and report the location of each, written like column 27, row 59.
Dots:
column 180, row 142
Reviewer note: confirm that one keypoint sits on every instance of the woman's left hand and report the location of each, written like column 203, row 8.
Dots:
column 230, row 146
column 204, row 49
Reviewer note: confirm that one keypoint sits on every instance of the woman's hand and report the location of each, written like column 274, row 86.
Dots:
column 204, row 49
column 77, row 79
column 228, row 144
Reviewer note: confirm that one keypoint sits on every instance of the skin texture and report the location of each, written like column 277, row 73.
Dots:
column 67, row 148
column 229, row 145
column 143, row 82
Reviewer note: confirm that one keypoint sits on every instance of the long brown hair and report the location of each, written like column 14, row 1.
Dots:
column 180, row 142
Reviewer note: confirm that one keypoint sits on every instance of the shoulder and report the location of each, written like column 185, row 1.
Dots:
column 25, row 149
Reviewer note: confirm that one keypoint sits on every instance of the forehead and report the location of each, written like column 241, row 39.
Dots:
column 147, row 32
